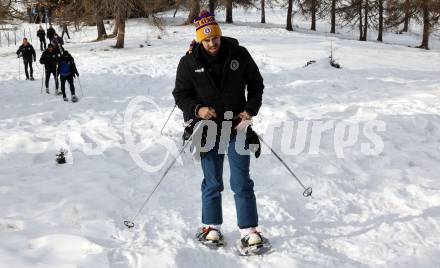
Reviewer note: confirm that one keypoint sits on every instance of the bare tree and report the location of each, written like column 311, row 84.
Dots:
column 289, row 16
column 356, row 12
column 309, row 8
column 407, row 18
column 333, row 16
column 263, row 11
column 429, row 11
column 194, row 11
column 212, row 6
column 228, row 4
column 380, row 6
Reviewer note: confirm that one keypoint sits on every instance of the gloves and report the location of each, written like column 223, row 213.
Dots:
column 252, row 138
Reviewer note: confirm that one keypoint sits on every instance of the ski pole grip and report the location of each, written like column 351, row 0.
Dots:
column 308, row 192
column 129, row 224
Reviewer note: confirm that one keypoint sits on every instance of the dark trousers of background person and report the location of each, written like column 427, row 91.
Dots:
column 54, row 73
column 63, row 85
column 65, row 32
column 42, row 44
column 28, row 64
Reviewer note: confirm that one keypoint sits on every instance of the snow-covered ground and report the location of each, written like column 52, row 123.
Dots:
column 366, row 210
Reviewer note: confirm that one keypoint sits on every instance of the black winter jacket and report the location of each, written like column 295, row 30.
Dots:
column 41, row 34
column 195, row 85
column 50, row 60
column 58, row 41
column 27, row 52
column 50, row 33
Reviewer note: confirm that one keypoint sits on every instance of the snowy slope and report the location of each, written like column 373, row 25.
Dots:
column 366, row 211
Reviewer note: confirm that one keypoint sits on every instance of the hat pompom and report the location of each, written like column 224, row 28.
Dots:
column 204, row 13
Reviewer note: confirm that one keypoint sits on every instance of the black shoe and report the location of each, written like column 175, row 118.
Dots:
column 27, row 78
column 32, row 78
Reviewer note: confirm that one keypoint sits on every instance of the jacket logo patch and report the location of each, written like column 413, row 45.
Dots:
column 234, row 65
column 201, row 70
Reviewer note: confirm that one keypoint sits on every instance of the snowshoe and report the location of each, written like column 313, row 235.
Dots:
column 253, row 244
column 210, row 237
column 74, row 98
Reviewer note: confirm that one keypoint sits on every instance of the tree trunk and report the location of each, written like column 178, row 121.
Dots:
column 366, row 11
column 313, row 10
column 194, row 13
column 121, row 35
column 229, row 11
column 121, row 17
column 212, row 5
column 361, row 26
column 407, row 17
column 406, row 23
column 263, row 12
column 289, row 16
column 178, row 2
column 102, row 34
column 333, row 14
column 427, row 27
column 380, row 35
column 115, row 29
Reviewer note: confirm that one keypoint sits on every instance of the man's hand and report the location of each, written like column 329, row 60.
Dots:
column 206, row 113
column 246, row 120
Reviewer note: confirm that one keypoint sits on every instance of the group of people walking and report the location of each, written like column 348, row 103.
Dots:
column 57, row 61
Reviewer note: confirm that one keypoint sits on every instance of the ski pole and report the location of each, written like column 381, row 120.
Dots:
column 42, row 79
column 307, row 190
column 19, row 68
column 166, row 122
column 130, row 224
column 80, row 87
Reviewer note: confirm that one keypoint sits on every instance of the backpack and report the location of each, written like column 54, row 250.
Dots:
column 65, row 69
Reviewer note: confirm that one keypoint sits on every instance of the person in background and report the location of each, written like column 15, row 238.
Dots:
column 65, row 31
column 27, row 51
column 67, row 71
column 50, row 33
column 50, row 60
column 58, row 43
column 42, row 35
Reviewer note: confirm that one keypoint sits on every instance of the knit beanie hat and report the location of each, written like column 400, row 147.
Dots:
column 206, row 26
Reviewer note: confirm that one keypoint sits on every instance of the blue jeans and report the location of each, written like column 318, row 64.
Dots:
column 241, row 185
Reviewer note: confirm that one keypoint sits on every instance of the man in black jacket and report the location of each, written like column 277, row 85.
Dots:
column 27, row 51
column 210, row 81
column 42, row 36
column 67, row 71
column 50, row 60
column 50, row 33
